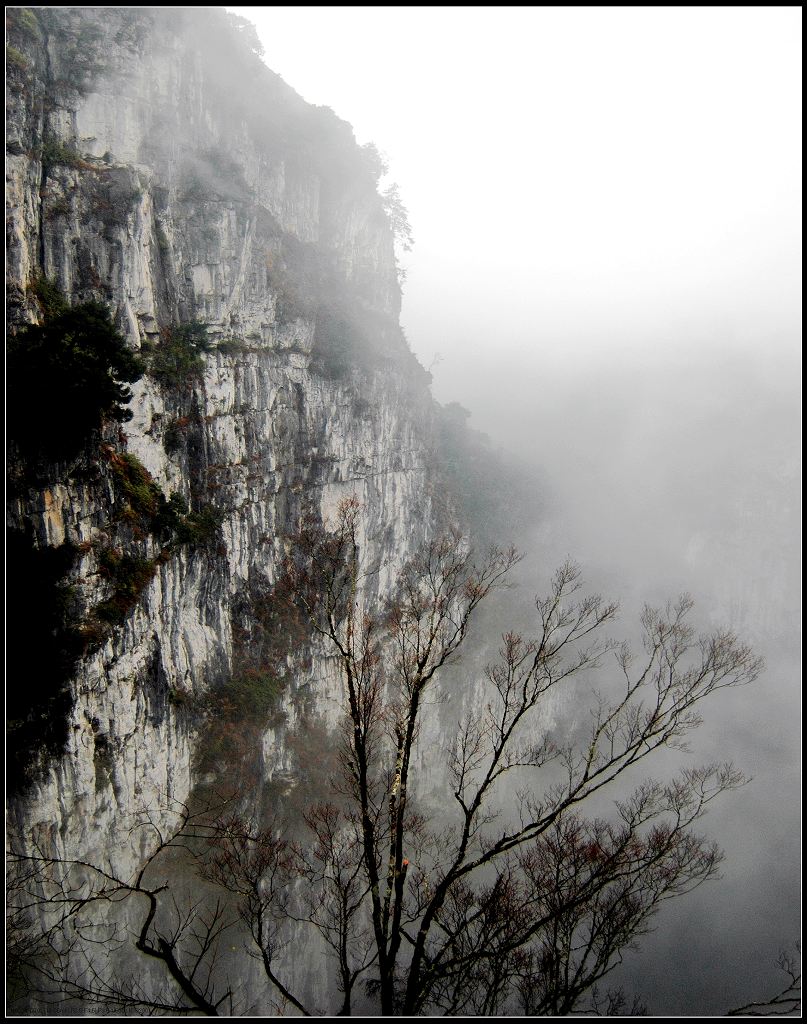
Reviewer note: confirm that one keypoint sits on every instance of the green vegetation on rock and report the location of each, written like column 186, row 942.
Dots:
column 128, row 575
column 66, row 376
column 178, row 358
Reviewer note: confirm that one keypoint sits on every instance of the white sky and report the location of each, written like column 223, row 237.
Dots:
column 578, row 179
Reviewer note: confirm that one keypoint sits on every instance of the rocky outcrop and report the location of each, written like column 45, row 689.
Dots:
column 155, row 164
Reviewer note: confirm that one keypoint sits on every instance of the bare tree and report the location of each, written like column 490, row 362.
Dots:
column 79, row 930
column 419, row 632
column 498, row 902
column 467, row 915
column 787, row 1001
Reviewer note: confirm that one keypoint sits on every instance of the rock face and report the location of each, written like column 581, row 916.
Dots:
column 155, row 164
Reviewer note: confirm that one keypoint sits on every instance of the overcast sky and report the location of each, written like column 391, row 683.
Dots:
column 606, row 206
column 578, row 179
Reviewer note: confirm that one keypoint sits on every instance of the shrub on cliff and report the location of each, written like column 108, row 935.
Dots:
column 179, row 356
column 65, row 377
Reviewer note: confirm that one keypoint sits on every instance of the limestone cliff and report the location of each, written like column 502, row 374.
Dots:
column 155, row 164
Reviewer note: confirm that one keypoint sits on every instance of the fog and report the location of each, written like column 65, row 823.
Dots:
column 606, row 210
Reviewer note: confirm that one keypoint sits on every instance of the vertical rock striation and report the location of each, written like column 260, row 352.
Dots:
column 156, row 165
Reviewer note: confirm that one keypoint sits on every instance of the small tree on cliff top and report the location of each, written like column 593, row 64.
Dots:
column 478, row 910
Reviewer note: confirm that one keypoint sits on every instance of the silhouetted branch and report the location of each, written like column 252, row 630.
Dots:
column 784, row 1003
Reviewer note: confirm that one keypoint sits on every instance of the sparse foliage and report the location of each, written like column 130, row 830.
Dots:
column 786, row 1002
column 375, row 160
column 246, row 32
column 398, row 216
column 496, row 904
column 76, row 900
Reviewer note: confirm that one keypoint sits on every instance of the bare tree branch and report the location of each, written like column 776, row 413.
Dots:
column 488, row 907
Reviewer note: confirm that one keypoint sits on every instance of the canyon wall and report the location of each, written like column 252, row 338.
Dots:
column 157, row 166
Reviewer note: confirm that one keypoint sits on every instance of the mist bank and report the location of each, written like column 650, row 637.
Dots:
column 660, row 471
column 649, row 459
